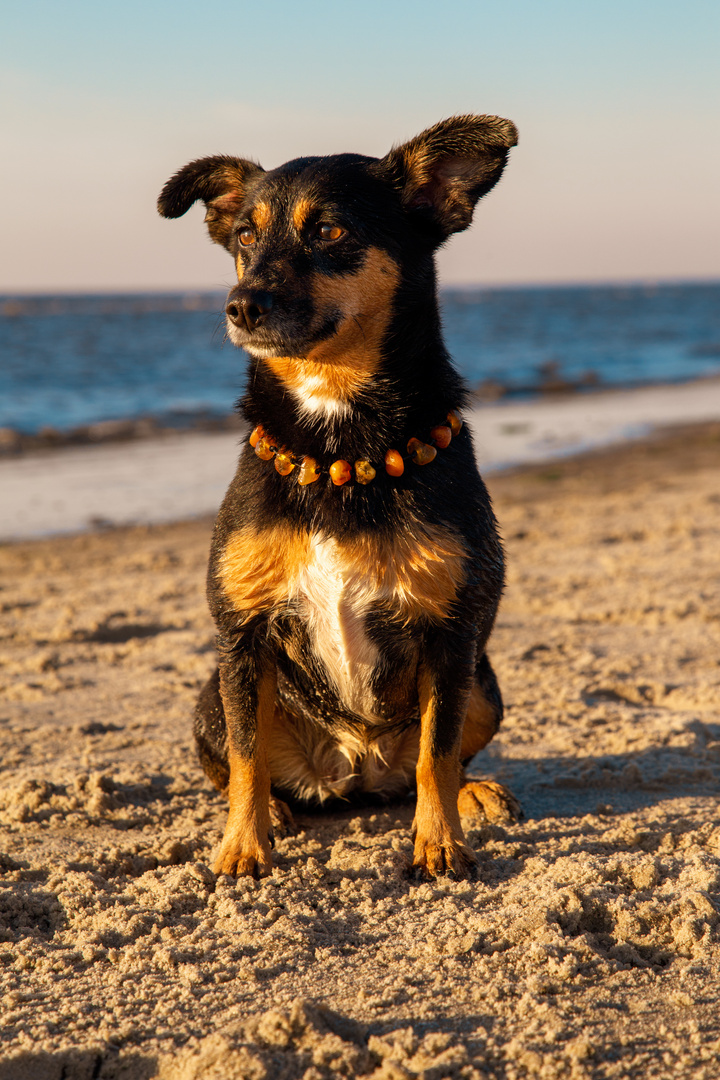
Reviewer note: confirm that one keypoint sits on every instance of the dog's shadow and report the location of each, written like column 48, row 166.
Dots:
column 572, row 785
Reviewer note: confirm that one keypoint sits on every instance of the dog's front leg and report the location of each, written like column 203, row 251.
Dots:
column 444, row 682
column 247, row 688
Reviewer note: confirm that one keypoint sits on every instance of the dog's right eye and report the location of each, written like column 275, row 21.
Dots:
column 330, row 232
column 246, row 237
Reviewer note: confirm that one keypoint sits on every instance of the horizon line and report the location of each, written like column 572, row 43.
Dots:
column 447, row 286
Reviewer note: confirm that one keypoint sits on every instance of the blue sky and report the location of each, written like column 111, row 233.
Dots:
column 615, row 178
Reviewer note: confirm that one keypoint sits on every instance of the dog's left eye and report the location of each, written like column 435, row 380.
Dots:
column 330, row 232
column 246, row 237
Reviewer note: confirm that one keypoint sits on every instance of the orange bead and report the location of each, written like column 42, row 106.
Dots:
column 340, row 472
column 364, row 472
column 308, row 472
column 455, row 423
column 394, row 464
column 256, row 436
column 421, row 452
column 284, row 464
column 441, row 436
column 263, row 449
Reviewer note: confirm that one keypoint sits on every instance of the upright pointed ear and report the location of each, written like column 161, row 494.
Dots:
column 443, row 172
column 220, row 182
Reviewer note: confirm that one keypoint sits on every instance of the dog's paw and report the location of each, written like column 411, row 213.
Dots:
column 281, row 819
column 447, row 856
column 488, row 801
column 243, row 860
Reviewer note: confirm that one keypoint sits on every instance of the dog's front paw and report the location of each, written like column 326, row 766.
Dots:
column 489, row 801
column 243, row 859
column 445, row 856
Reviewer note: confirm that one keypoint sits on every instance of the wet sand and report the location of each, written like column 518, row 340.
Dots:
column 587, row 946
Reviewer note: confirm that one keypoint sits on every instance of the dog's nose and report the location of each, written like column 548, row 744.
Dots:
column 249, row 310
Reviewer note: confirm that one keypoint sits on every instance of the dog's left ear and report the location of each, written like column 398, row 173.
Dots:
column 220, row 182
column 443, row 172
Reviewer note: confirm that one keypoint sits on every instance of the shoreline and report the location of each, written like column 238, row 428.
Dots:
column 178, row 475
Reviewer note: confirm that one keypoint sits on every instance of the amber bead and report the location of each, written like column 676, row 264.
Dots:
column 455, row 423
column 421, row 452
column 441, row 436
column 340, row 472
column 394, row 464
column 284, row 464
column 256, row 436
column 308, row 472
column 364, row 472
column 263, row 449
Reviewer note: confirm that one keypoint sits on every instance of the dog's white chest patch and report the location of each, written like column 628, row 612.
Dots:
column 313, row 399
column 333, row 597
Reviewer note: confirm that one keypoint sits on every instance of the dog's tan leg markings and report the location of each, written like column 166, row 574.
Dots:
column 439, row 842
column 488, row 801
column 245, row 847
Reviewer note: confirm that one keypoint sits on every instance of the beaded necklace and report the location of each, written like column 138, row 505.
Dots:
column 341, row 471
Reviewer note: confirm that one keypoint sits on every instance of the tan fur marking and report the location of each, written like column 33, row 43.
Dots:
column 260, row 216
column 439, row 840
column 246, row 846
column 416, row 574
column 239, row 267
column 480, row 724
column 301, row 212
column 340, row 365
column 419, row 572
column 328, row 381
column 365, row 300
column 257, row 566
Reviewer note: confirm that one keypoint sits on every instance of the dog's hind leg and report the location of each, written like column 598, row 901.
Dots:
column 484, row 799
column 210, row 732
column 485, row 711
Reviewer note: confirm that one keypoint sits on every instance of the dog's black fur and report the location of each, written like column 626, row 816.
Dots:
column 352, row 619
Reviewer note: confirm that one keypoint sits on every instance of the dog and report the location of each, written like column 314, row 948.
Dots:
column 356, row 567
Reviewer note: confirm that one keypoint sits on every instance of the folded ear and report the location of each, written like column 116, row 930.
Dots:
column 444, row 171
column 220, row 182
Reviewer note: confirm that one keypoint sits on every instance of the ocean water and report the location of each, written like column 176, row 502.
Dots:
column 69, row 361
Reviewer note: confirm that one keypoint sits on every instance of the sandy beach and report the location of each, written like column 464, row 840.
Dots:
column 587, row 945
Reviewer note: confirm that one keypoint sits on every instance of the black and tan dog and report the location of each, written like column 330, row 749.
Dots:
column 356, row 568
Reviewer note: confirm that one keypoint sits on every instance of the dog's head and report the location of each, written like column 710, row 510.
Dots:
column 322, row 244
column 322, row 241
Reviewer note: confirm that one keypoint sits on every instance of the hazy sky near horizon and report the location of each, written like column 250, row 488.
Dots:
column 616, row 176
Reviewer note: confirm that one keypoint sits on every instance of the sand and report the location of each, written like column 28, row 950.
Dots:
column 587, row 945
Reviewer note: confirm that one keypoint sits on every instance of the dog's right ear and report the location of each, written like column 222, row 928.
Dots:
column 220, row 182
column 442, row 172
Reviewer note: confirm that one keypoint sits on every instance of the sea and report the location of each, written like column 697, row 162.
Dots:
column 71, row 361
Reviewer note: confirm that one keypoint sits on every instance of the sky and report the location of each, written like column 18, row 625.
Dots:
column 615, row 178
